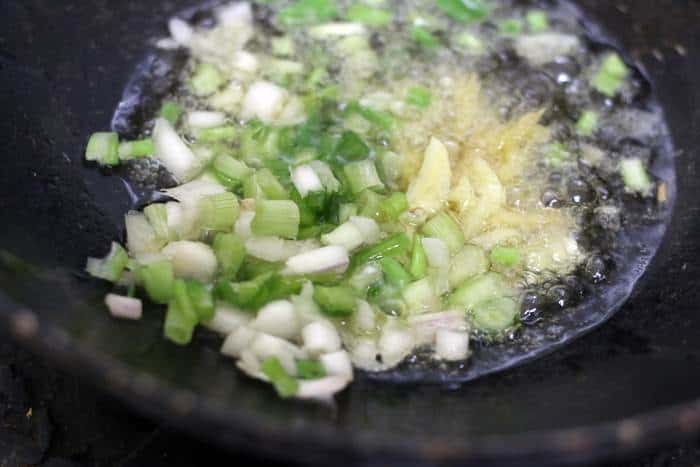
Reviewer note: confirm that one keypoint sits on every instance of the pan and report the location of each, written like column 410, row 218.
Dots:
column 629, row 386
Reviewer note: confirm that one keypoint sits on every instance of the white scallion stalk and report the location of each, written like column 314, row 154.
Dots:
column 369, row 228
column 304, row 305
column 235, row 14
column 278, row 319
column 437, row 252
column 426, row 325
column 192, row 260
column 322, row 388
column 194, row 191
column 324, row 172
column 542, row 48
column 266, row 345
column 174, row 216
column 249, row 364
column 364, row 353
column 124, row 307
column 201, row 119
column 346, row 235
column 174, row 153
column 264, row 100
column 245, row 62
column 420, row 296
column 180, row 31
column 238, row 341
column 275, row 249
column 227, row 319
column 365, row 317
column 327, row 259
column 243, row 227
column 334, row 30
column 320, row 337
column 452, row 346
column 337, row 364
column 306, row 180
column 395, row 344
column 140, row 236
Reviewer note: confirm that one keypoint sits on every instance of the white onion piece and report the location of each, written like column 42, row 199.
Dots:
column 235, row 14
column 172, row 151
column 437, row 252
column 543, row 48
column 320, row 337
column 452, row 346
column 192, row 260
column 180, row 31
column 140, row 236
column 238, row 341
column 330, row 30
column 365, row 318
column 369, row 228
column 124, row 307
column 265, row 346
column 227, row 319
column 306, row 180
column 346, row 235
column 322, row 388
column 337, row 364
column 242, row 227
column 245, row 62
column 327, row 259
column 278, row 319
column 263, row 100
column 201, row 119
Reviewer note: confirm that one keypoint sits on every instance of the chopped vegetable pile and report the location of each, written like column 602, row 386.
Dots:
column 356, row 180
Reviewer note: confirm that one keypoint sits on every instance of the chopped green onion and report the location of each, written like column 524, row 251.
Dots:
column 171, row 111
column 420, row 296
column 202, row 300
column 111, row 267
column 464, row 10
column 611, row 75
column 419, row 96
column 496, row 315
column 511, row 27
column 383, row 119
column 419, row 260
column 206, row 80
column 285, row 385
column 587, row 124
column 103, row 148
column 184, row 302
column 557, row 154
column 136, row 149
column 276, row 218
column 444, row 227
column 469, row 262
column 179, row 326
column 395, row 245
column 264, row 185
column 468, row 42
column 350, row 147
column 230, row 253
column 309, row 369
column 226, row 134
column 395, row 273
column 395, row 205
column 282, row 46
column 231, row 170
column 335, row 301
column 479, row 289
column 157, row 279
column 371, row 203
column 219, row 212
column 306, row 12
column 157, row 215
column 635, row 176
column 345, row 212
column 505, row 256
column 362, row 175
column 537, row 21
column 424, row 37
column 370, row 16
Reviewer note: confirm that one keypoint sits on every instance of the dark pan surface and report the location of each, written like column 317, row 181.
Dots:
column 63, row 67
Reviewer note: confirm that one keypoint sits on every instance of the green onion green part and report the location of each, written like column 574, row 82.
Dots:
column 464, row 11
column 285, row 385
column 179, row 326
column 219, row 212
column 310, row 369
column 635, row 176
column 537, row 21
column 171, row 111
column 103, row 148
column 505, row 256
column 230, row 252
column 374, row 17
column 362, row 175
column 206, row 80
column 307, row 12
column 395, row 273
column 424, row 37
column 111, row 267
column 611, row 75
column 419, row 260
column 202, row 300
column 587, row 124
column 335, row 301
column 135, row 149
column 395, row 245
column 419, row 96
column 444, row 227
column 157, row 279
column 277, row 218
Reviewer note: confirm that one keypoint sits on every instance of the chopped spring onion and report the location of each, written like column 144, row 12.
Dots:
column 451, row 346
column 111, row 267
column 201, row 299
column 174, row 153
column 587, row 123
column 124, row 307
column 464, row 10
column 335, row 301
column 395, row 205
column 192, row 260
column 230, row 253
column 206, row 80
column 231, row 170
column 310, row 369
column 179, row 324
column 419, row 260
column 444, row 227
column 479, row 289
column 171, row 111
column 346, row 211
column 374, row 17
column 382, row 119
column 140, row 236
column 364, row 277
column 351, row 147
column 220, row 134
column 469, row 262
column 200, row 119
column 324, row 172
column 263, row 184
column 226, row 320
column 505, row 256
column 282, row 46
column 337, row 364
column 369, row 228
column 511, row 27
column 327, row 259
column 437, row 252
column 306, row 12
column 419, row 96
column 346, row 235
column 537, row 21
column 157, row 215
column 103, row 148
column 611, row 75
column 362, row 175
column 219, row 212
column 157, row 279
column 394, row 272
column 496, row 315
column 277, row 318
column 424, row 37
column 320, row 337
column 285, row 385
column 635, row 176
column 276, row 218
column 264, row 100
column 557, row 154
column 306, row 180
column 468, row 42
column 395, row 245
column 420, row 296
column 136, row 149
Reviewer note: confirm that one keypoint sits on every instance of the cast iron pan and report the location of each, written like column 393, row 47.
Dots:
column 630, row 385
